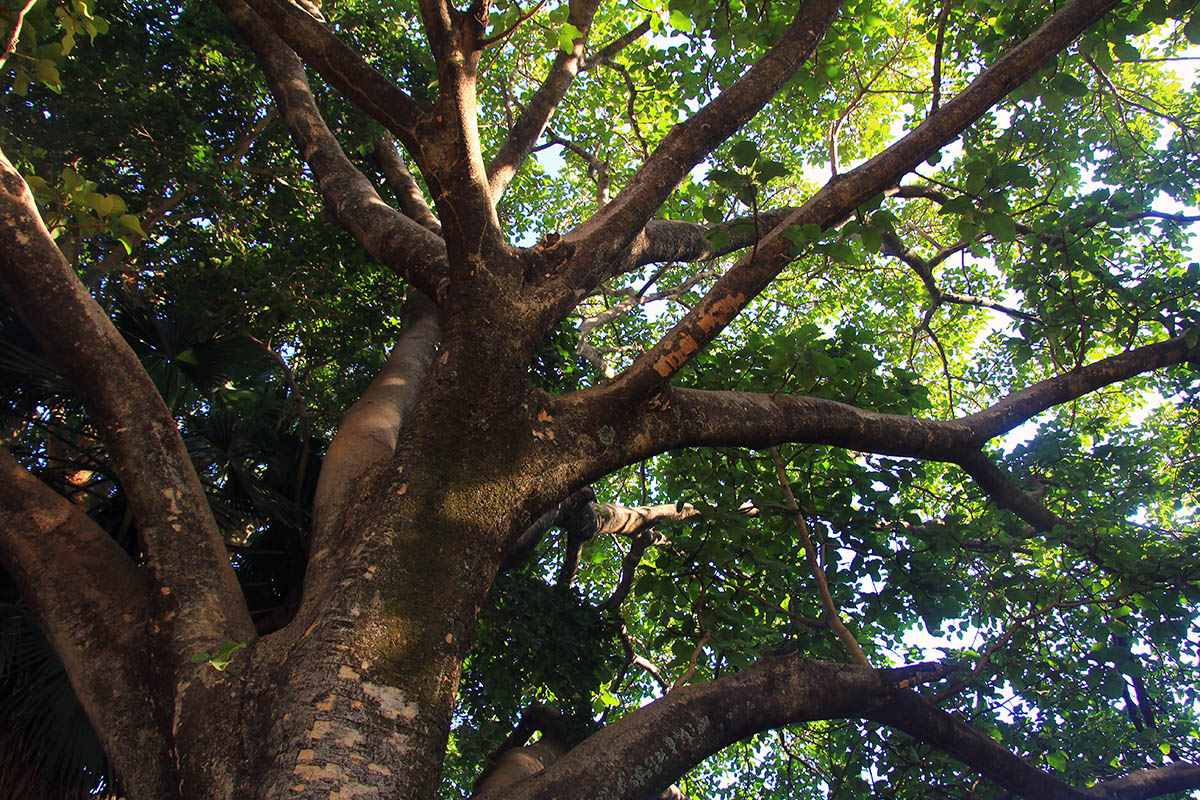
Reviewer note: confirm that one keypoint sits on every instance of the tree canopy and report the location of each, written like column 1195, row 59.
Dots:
column 799, row 397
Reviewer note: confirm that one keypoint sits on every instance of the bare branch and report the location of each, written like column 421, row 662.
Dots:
column 610, row 230
column 676, row 240
column 832, row 615
column 617, row 45
column 839, row 198
column 777, row 690
column 537, row 112
column 643, row 540
column 786, row 689
column 596, row 168
column 894, row 246
column 184, row 550
column 504, row 34
column 1021, row 406
column 936, row 79
column 402, row 244
column 404, row 186
column 10, row 46
column 574, row 514
column 1000, row 487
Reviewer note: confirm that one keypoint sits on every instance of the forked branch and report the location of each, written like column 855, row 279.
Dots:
column 537, row 112
column 843, row 194
column 399, row 242
column 690, row 141
column 185, row 552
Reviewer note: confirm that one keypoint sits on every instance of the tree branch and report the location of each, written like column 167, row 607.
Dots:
column 641, row 753
column 184, row 550
column 894, row 246
column 677, row 240
column 371, row 427
column 609, row 230
column 537, row 112
column 404, row 186
column 1021, row 406
column 842, row 195
column 91, row 602
column 337, row 63
column 1001, row 488
column 832, row 616
column 398, row 242
column 574, row 513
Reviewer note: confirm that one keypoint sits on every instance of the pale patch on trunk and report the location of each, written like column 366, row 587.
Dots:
column 391, row 701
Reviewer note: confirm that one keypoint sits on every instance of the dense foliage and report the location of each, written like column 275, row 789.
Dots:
column 1056, row 231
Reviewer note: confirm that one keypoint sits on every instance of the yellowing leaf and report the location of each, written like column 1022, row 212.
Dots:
column 132, row 223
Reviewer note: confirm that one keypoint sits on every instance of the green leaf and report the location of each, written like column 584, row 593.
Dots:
column 567, row 36
column 1001, row 227
column 1070, row 85
column 681, row 22
column 132, row 223
column 744, row 153
column 718, row 238
column 1125, row 51
column 872, row 240
column 1192, row 29
column 1057, row 760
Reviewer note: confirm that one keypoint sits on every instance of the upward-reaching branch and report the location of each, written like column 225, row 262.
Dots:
column 844, row 193
column 370, row 428
column 536, row 115
column 337, row 63
column 402, row 244
column 690, row 141
column 184, row 550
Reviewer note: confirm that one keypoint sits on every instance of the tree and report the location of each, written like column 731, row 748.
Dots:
column 909, row 396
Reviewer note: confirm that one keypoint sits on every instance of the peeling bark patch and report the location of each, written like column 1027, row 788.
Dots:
column 391, row 701
column 380, row 768
column 311, row 772
column 670, row 362
column 347, row 674
column 721, row 312
column 320, row 728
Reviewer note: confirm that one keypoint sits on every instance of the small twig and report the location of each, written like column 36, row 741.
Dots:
column 936, row 77
column 617, row 45
column 10, row 46
column 289, row 379
column 831, row 611
column 490, row 40
column 691, row 668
